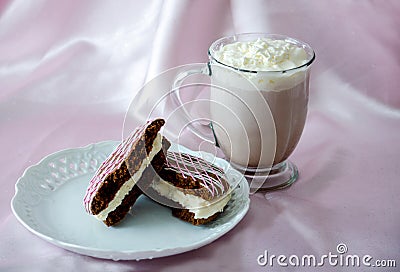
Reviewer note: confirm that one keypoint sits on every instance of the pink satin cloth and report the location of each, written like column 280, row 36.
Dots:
column 69, row 70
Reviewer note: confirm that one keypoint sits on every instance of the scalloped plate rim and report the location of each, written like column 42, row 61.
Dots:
column 125, row 254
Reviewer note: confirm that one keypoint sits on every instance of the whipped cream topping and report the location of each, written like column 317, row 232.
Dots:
column 127, row 186
column 262, row 55
column 197, row 205
column 270, row 61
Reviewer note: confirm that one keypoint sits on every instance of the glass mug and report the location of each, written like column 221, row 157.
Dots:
column 256, row 116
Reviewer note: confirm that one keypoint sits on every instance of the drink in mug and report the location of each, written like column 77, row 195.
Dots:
column 260, row 97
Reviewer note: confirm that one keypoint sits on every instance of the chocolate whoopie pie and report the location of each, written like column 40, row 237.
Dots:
column 117, row 183
column 197, row 189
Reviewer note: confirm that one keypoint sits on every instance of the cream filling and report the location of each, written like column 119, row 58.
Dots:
column 197, row 205
column 127, row 186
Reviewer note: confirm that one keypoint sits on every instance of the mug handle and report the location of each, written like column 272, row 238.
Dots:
column 193, row 69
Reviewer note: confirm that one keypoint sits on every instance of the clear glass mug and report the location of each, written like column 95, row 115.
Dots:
column 257, row 117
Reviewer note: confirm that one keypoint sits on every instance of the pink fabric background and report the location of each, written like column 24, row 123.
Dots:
column 69, row 69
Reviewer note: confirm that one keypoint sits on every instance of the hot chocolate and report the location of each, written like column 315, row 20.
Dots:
column 258, row 103
column 259, row 100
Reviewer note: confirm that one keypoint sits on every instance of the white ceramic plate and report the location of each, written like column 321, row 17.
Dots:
column 48, row 202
